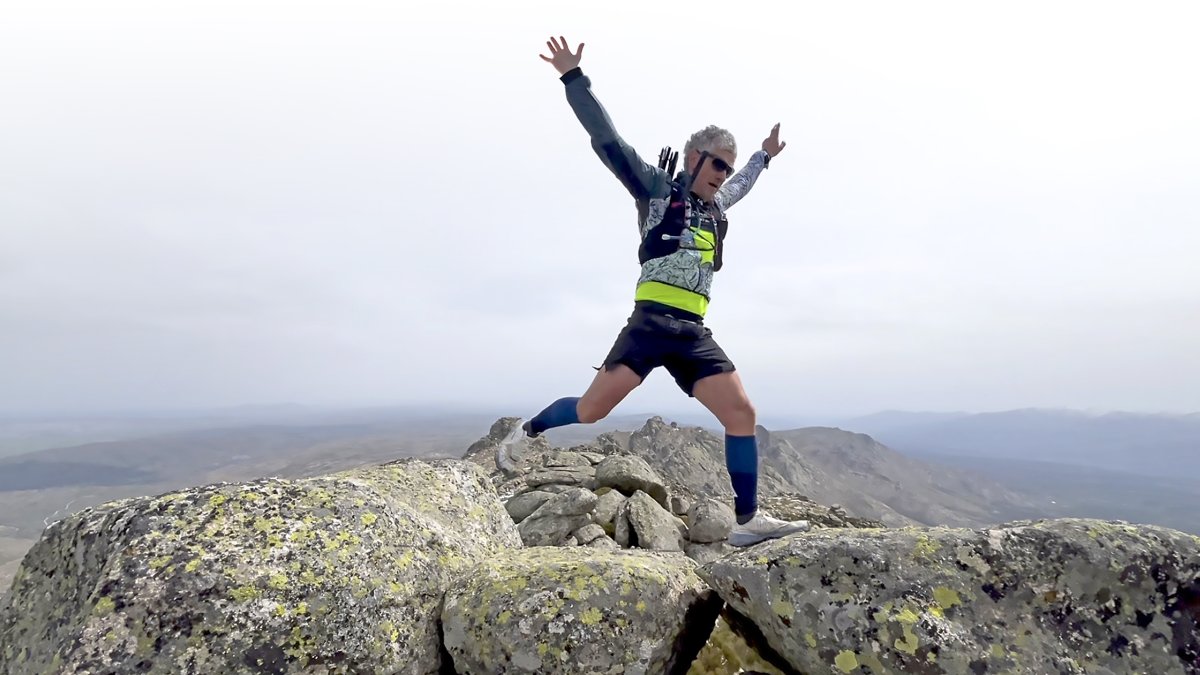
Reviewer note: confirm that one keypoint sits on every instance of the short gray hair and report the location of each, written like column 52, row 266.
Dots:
column 710, row 138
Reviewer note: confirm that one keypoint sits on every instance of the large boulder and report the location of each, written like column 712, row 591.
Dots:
column 340, row 572
column 629, row 474
column 1061, row 596
column 651, row 526
column 554, row 521
column 710, row 520
column 576, row 610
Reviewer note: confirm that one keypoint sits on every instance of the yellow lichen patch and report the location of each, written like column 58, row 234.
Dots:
column 925, row 547
column 192, row 566
column 782, row 607
column 216, row 500
column 590, row 616
column 278, row 582
column 811, row 640
column 640, row 606
column 998, row 651
column 907, row 619
column 160, row 562
column 909, row 643
column 368, row 519
column 104, row 606
column 504, row 616
column 907, row 616
column 244, row 593
column 946, row 597
column 846, row 661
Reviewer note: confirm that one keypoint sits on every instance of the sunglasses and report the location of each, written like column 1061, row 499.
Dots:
column 720, row 165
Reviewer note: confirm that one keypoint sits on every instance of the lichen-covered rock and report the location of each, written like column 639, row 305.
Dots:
column 582, row 476
column 572, row 502
column 521, row 506
column 652, row 527
column 555, row 610
column 566, row 458
column 343, row 571
column 554, row 521
column 629, row 474
column 550, row 531
column 589, row 533
column 606, row 510
column 710, row 520
column 1060, row 596
column 705, row 553
column 799, row 507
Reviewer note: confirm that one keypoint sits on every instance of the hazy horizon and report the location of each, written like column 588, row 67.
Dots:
column 231, row 203
column 694, row 410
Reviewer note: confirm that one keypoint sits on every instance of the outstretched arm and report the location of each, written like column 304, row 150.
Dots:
column 740, row 183
column 641, row 179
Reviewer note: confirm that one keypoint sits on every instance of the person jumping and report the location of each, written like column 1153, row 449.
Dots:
column 682, row 224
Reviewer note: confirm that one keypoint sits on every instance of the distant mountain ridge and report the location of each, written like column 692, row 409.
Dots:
column 1152, row 445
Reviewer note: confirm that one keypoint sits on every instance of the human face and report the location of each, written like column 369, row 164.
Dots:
column 718, row 167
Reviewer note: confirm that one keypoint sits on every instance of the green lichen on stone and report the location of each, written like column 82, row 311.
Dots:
column 925, row 547
column 1024, row 597
column 588, row 606
column 306, row 568
column 846, row 661
column 946, row 597
column 104, row 606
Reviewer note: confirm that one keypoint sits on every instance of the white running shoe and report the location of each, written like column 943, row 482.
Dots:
column 509, row 449
column 762, row 527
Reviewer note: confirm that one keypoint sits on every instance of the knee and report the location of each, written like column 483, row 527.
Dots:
column 741, row 415
column 590, row 412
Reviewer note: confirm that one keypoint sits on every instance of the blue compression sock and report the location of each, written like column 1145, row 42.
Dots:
column 560, row 413
column 741, row 458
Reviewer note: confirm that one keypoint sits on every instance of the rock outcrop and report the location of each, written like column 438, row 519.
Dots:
column 546, row 609
column 549, row 492
column 1063, row 596
column 470, row 566
column 272, row 576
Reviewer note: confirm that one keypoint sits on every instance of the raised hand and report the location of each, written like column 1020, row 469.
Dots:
column 772, row 144
column 560, row 57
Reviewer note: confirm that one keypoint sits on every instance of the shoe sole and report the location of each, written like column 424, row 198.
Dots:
column 749, row 539
column 738, row 539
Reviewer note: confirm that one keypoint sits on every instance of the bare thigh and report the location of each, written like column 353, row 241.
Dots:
column 725, row 397
column 610, row 386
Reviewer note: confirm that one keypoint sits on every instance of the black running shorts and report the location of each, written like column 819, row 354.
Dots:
column 655, row 336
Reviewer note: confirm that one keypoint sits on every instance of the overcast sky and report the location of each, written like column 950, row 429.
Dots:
column 221, row 203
